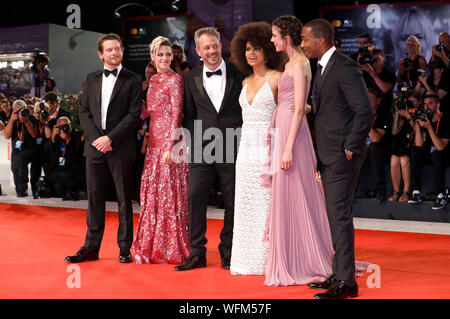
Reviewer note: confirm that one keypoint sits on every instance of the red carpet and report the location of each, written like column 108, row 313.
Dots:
column 35, row 240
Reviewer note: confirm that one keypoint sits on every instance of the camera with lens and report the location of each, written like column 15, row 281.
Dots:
column 38, row 57
column 23, row 112
column 65, row 128
column 366, row 56
column 427, row 72
column 401, row 99
column 422, row 115
column 441, row 47
column 43, row 189
column 43, row 112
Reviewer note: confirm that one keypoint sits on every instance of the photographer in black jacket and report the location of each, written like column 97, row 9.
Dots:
column 441, row 51
column 432, row 134
column 41, row 159
column 56, row 111
column 65, row 171
column 408, row 68
column 378, row 77
column 22, row 130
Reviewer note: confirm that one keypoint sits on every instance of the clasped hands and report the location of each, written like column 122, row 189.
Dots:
column 103, row 144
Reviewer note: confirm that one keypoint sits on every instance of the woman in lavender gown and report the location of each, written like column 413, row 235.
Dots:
column 298, row 233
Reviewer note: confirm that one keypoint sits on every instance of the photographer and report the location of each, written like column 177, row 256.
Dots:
column 22, row 130
column 65, row 171
column 5, row 112
column 402, row 141
column 50, row 85
column 430, row 148
column 377, row 76
column 433, row 81
column 365, row 43
column 41, row 159
column 40, row 72
column 179, row 64
column 56, row 111
column 376, row 151
column 442, row 50
column 408, row 68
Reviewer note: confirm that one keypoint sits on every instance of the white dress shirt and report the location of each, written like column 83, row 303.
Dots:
column 215, row 85
column 107, row 89
column 326, row 58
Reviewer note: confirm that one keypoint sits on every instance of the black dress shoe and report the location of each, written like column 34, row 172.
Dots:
column 339, row 290
column 225, row 264
column 192, row 262
column 324, row 284
column 82, row 255
column 125, row 256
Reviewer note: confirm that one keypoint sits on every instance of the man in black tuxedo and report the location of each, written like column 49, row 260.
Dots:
column 212, row 105
column 343, row 115
column 109, row 110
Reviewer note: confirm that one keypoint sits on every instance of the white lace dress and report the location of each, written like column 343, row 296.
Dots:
column 252, row 201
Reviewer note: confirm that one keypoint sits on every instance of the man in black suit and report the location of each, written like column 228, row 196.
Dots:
column 56, row 111
column 109, row 110
column 343, row 115
column 211, row 106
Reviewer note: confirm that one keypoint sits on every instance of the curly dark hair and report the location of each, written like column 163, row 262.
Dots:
column 291, row 26
column 257, row 34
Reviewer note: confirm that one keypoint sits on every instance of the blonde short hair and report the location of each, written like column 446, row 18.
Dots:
column 417, row 41
column 159, row 42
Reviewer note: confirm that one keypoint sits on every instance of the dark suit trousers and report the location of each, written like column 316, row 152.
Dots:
column 201, row 181
column 98, row 172
column 339, row 183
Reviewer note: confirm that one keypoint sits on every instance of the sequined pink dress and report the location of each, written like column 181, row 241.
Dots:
column 162, row 232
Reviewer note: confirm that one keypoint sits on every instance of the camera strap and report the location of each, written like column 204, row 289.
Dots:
column 41, row 128
column 439, row 122
column 63, row 149
column 374, row 119
column 19, row 131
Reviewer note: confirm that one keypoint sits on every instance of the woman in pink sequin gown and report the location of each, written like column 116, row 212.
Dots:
column 300, row 247
column 162, row 232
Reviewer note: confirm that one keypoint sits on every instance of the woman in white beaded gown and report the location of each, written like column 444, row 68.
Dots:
column 254, row 54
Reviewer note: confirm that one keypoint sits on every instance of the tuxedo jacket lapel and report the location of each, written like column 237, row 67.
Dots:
column 122, row 76
column 319, row 83
column 198, row 78
column 98, row 89
column 228, row 87
column 315, row 93
column 330, row 65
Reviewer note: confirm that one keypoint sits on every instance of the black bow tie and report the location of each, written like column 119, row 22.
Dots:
column 210, row 74
column 108, row 72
